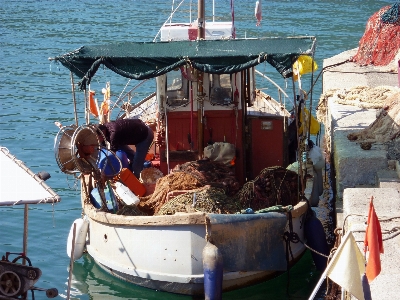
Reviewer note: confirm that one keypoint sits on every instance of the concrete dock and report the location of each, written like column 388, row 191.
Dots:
column 362, row 174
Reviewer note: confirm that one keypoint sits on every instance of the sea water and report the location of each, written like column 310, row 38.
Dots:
column 34, row 93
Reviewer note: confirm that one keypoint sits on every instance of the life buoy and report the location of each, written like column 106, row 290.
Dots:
column 81, row 229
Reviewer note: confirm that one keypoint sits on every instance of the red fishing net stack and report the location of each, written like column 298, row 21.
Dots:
column 381, row 40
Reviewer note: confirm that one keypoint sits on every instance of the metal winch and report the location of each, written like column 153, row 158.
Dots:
column 17, row 279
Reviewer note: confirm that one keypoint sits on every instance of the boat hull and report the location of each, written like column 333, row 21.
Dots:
column 165, row 252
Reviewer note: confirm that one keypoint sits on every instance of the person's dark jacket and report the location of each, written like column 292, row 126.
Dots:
column 125, row 132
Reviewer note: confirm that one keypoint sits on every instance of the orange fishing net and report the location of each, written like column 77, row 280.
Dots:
column 189, row 176
column 381, row 40
column 172, row 182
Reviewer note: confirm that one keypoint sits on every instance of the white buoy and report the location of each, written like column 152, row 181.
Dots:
column 82, row 226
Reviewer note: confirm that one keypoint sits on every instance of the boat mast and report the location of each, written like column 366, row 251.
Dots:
column 201, row 34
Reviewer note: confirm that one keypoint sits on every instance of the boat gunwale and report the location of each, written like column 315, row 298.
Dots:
column 198, row 218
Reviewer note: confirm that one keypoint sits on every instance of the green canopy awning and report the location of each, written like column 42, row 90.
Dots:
column 147, row 60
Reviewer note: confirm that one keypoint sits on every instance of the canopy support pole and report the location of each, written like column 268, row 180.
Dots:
column 73, row 98
column 200, row 104
column 166, row 137
column 246, row 146
column 299, row 157
column 311, row 93
column 201, row 34
column 87, row 115
column 191, row 115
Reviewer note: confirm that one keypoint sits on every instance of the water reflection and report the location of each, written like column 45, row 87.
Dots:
column 89, row 281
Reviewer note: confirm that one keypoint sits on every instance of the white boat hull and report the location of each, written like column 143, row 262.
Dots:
column 165, row 252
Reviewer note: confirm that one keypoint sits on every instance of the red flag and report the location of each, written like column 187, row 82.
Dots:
column 373, row 240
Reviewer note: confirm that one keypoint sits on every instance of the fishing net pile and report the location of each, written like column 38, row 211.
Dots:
column 207, row 199
column 212, row 173
column 211, row 187
column 361, row 96
column 382, row 98
column 381, row 41
column 190, row 176
column 273, row 186
column 385, row 127
column 130, row 210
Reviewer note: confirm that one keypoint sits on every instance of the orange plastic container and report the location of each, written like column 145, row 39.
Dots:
column 130, row 180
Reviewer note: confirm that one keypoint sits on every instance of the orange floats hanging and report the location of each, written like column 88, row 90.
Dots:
column 93, row 107
column 105, row 105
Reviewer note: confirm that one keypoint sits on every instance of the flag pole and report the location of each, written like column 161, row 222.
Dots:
column 329, row 266
column 321, row 280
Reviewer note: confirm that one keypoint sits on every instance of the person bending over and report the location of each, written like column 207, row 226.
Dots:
column 123, row 132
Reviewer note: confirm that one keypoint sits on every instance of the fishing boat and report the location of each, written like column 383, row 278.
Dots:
column 216, row 195
column 17, row 274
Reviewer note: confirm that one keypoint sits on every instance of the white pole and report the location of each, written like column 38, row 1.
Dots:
column 213, row 10
column 71, row 263
column 25, row 238
column 321, row 280
column 329, row 266
column 74, row 98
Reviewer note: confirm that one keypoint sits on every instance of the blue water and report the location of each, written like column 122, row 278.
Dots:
column 35, row 93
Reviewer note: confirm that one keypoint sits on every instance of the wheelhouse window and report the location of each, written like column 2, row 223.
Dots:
column 177, row 89
column 220, row 89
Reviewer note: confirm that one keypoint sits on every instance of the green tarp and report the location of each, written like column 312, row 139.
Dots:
column 147, row 60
